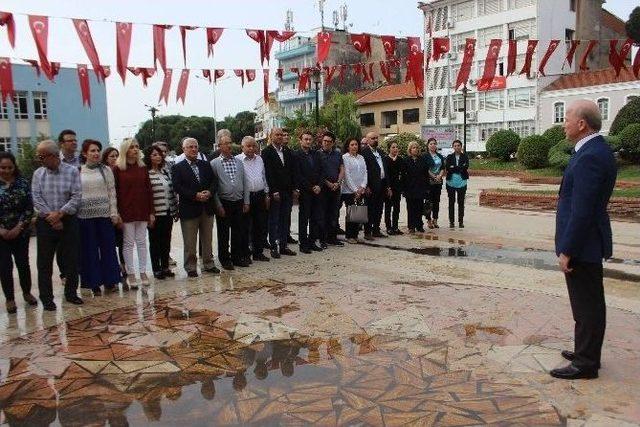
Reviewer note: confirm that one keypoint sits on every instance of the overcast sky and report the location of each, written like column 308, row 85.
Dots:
column 234, row 50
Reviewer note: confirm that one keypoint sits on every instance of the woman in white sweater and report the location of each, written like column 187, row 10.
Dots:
column 98, row 214
column 354, row 184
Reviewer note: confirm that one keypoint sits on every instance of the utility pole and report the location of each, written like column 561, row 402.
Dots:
column 153, row 111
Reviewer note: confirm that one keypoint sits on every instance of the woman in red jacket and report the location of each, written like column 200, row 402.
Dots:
column 135, row 205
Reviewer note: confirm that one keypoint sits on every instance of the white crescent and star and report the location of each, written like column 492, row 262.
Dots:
column 38, row 26
column 357, row 44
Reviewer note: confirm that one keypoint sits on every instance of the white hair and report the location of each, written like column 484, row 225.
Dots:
column 188, row 139
column 49, row 146
column 221, row 133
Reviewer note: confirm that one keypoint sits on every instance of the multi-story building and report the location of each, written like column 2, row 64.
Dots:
column 267, row 118
column 42, row 108
column 510, row 103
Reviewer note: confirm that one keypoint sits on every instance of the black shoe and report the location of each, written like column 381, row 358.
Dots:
column 461, row 225
column 287, row 251
column 391, row 232
column 291, row 241
column 305, row 250
column 74, row 300
column 398, row 232
column 571, row 372
column 323, row 246
column 340, row 231
column 160, row 275
column 275, row 254
column 212, row 270
column 452, row 225
column 241, row 263
column 192, row 274
column 570, row 356
column 248, row 259
column 420, row 230
column 368, row 237
column 169, row 273
column 316, row 248
column 260, row 257
column 228, row 266
column 378, row 234
column 335, row 242
column 49, row 306
column 266, row 245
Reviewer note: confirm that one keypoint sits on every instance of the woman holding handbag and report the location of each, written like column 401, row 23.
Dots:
column 353, row 186
column 437, row 171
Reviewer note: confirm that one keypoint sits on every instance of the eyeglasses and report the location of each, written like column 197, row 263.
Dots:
column 327, row 140
column 70, row 140
column 43, row 156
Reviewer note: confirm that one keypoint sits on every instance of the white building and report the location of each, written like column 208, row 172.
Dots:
column 513, row 102
column 267, row 117
column 601, row 86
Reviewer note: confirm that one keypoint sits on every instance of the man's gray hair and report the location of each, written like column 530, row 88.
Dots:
column 248, row 139
column 187, row 139
column 49, row 146
column 592, row 116
column 221, row 133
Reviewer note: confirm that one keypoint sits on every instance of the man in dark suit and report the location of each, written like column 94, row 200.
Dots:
column 583, row 235
column 278, row 167
column 377, row 185
column 195, row 184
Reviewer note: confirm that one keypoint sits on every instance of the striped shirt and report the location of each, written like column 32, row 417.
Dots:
column 56, row 190
column 98, row 193
column 164, row 199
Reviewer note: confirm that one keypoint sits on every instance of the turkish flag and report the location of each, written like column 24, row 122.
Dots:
column 265, row 85
column 240, row 73
column 465, row 67
column 357, row 70
column 217, row 74
column 123, row 46
column 511, row 57
column 441, row 45
column 304, row 80
column 571, row 52
column 362, row 43
column 343, row 72
column 181, row 93
column 183, row 36
column 6, row 80
column 279, row 73
column 34, row 64
column 413, row 44
column 206, row 74
column 329, row 73
column 85, row 86
column 146, row 73
column 636, row 65
column 213, row 35
column 275, row 35
column 106, row 70
column 251, row 75
column 259, row 37
column 40, row 30
column 491, row 61
column 55, row 68
column 617, row 59
column 385, row 69
column 166, row 85
column 6, row 18
column 159, row 51
column 323, row 46
column 531, row 47
column 585, row 55
column 415, row 71
column 84, row 33
column 553, row 45
column 389, row 45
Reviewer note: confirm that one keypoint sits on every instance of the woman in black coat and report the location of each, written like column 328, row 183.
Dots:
column 415, row 181
column 394, row 178
column 457, row 164
column 437, row 171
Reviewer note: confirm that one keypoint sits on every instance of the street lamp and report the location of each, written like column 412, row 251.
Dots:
column 153, row 111
column 317, row 77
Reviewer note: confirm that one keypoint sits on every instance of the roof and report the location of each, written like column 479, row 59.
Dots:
column 390, row 93
column 590, row 78
column 612, row 22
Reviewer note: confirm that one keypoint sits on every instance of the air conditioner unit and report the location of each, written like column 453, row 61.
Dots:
column 452, row 55
column 472, row 116
column 451, row 24
column 473, row 82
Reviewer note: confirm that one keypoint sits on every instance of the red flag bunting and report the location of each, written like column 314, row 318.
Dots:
column 181, row 93
column 329, row 73
column 166, row 85
column 217, row 74
column 270, row 36
column 34, row 64
column 585, row 55
column 106, row 70
column 123, row 46
column 323, row 46
column 415, row 70
column 6, row 18
column 159, row 51
column 265, row 85
column 490, row 62
column 183, row 37
column 343, row 71
column 206, row 74
column 385, row 69
column 571, row 52
column 511, row 57
column 251, row 75
column 531, row 47
column 279, row 73
column 259, row 37
column 213, row 35
column 357, row 70
column 146, row 73
column 465, row 67
column 441, row 46
column 84, row 33
column 6, row 80
column 55, row 69
column 413, row 44
column 362, row 43
column 304, row 80
column 240, row 73
column 553, row 45
column 617, row 59
column 389, row 45
column 372, row 78
column 636, row 65
column 40, row 30
column 85, row 87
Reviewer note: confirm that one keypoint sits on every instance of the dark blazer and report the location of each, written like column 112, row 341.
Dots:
column 279, row 176
column 583, row 229
column 415, row 178
column 394, row 167
column 374, row 180
column 308, row 170
column 186, row 186
column 461, row 168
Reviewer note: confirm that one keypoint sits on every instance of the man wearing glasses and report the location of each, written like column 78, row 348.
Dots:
column 68, row 142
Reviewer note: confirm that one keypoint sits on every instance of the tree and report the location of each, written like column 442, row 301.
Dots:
column 554, row 134
column 403, row 139
column 627, row 115
column 503, row 144
column 633, row 25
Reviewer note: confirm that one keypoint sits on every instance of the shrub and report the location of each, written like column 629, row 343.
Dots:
column 560, row 154
column 613, row 141
column 403, row 140
column 533, row 151
column 554, row 134
column 503, row 144
column 26, row 160
column 630, row 142
column 627, row 115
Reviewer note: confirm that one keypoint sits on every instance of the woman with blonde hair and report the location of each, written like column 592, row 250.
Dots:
column 135, row 205
column 415, row 180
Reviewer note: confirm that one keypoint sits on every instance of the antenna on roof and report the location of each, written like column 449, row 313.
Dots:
column 288, row 23
column 344, row 14
column 336, row 19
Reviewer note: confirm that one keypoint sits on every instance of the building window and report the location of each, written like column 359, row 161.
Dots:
column 459, row 41
column 569, row 34
column 488, row 7
column 558, row 112
column 4, row 111
column 367, row 119
column 486, row 34
column 572, row 5
column 521, row 30
column 603, row 106
column 522, row 97
column 430, row 107
column 40, row 105
column 522, row 127
column 462, row 11
column 631, row 98
column 411, row 116
column 517, row 4
column 471, row 132
column 20, row 105
column 21, row 143
column 389, row 118
column 488, row 129
column 458, row 103
column 491, row 100
column 5, row 143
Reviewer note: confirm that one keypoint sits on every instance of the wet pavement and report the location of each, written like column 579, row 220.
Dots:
column 450, row 327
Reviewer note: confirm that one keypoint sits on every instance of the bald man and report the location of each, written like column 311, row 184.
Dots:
column 583, row 235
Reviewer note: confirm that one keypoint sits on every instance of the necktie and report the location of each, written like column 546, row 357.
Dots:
column 196, row 172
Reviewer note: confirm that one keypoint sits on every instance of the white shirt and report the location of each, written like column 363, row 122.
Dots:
column 584, row 140
column 181, row 157
column 254, row 170
column 379, row 160
column 280, row 152
column 355, row 173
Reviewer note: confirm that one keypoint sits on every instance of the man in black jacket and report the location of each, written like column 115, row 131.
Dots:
column 377, row 185
column 195, row 184
column 278, row 166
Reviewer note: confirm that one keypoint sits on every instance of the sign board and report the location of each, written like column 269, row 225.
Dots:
column 444, row 134
column 498, row 82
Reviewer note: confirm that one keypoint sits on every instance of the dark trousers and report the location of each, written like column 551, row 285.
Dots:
column 586, row 294
column 160, row 243
column 255, row 227
column 331, row 211
column 64, row 245
column 435, row 191
column 98, row 259
column 375, row 203
column 309, row 218
column 392, row 211
column 458, row 193
column 15, row 250
column 351, row 228
column 415, row 208
column 230, row 225
column 279, row 220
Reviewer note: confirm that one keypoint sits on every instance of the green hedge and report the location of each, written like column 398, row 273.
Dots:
column 554, row 134
column 630, row 142
column 403, row 140
column 560, row 154
column 627, row 115
column 533, row 151
column 502, row 144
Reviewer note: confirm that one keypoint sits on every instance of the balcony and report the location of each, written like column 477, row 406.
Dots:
column 292, row 95
column 295, row 52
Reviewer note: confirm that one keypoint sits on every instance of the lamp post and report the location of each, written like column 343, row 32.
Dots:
column 465, row 90
column 215, row 120
column 153, row 110
column 316, row 80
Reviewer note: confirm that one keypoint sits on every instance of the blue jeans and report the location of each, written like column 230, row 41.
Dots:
column 279, row 221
